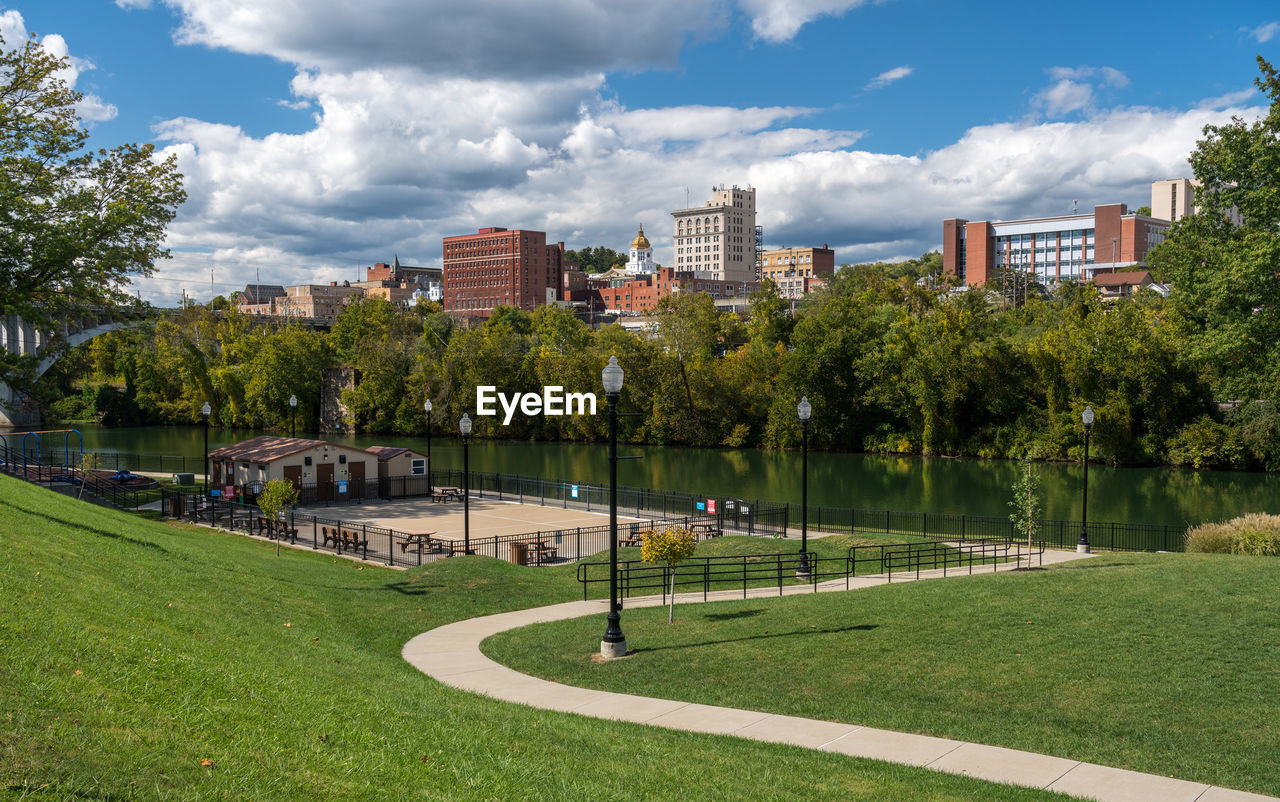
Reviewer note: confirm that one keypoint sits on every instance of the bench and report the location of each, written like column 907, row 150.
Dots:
column 354, row 540
column 330, row 535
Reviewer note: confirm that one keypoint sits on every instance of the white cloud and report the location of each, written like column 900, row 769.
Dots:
column 1229, row 100
column 480, row 38
column 888, row 76
column 133, row 4
column 780, row 20
column 1074, row 89
column 1264, row 32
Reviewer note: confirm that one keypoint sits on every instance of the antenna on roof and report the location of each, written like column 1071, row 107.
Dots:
column 1073, row 206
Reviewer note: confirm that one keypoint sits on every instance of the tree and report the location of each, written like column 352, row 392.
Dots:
column 1027, row 504
column 671, row 546
column 1223, row 262
column 74, row 223
column 277, row 495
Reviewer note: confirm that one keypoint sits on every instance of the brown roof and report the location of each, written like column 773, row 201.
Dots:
column 1116, row 279
column 266, row 448
column 384, row 453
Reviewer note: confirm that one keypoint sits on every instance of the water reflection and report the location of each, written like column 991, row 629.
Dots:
column 979, row 487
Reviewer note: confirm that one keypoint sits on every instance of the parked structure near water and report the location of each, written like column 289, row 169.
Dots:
column 337, row 471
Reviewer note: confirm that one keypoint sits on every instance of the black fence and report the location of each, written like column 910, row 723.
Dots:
column 1103, row 535
column 781, row 570
column 743, row 516
column 112, row 460
column 330, row 532
column 747, row 516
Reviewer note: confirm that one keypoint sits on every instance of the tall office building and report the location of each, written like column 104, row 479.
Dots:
column 1173, row 199
column 496, row 267
column 717, row 240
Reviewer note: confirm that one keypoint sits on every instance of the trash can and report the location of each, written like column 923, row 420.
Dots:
column 175, row 506
column 184, row 478
column 520, row 553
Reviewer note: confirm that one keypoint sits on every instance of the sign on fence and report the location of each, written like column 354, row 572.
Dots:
column 711, row 506
column 573, row 490
column 342, row 486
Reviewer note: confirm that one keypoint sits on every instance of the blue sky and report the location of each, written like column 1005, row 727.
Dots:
column 315, row 142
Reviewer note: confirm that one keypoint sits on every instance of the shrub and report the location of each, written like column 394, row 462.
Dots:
column 1214, row 538
column 1253, row 533
column 1207, row 444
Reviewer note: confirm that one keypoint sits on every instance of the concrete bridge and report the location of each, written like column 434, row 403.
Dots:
column 20, row 337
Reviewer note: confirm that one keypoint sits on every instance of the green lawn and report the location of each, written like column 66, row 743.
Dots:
column 142, row 659
column 1168, row 664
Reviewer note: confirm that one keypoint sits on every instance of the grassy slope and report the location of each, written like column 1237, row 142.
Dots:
column 132, row 652
column 1162, row 663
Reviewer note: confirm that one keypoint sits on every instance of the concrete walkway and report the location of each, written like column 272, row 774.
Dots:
column 451, row 654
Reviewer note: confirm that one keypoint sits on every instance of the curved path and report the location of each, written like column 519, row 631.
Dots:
column 451, row 654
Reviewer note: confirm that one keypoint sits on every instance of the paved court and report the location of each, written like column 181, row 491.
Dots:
column 489, row 517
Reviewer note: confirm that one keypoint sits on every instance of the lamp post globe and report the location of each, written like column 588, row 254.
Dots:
column 805, row 410
column 1082, row 546
column 464, row 426
column 426, row 407
column 614, row 643
column 293, row 409
column 206, row 410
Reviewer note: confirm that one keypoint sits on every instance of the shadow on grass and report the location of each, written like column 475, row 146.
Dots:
column 857, row 628
column 730, row 616
column 82, row 528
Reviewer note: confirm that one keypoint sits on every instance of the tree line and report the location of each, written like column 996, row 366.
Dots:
column 893, row 358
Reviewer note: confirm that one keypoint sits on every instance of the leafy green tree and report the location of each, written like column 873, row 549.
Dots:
column 595, row 260
column 1027, row 504
column 769, row 320
column 1225, row 276
column 77, row 222
column 669, row 547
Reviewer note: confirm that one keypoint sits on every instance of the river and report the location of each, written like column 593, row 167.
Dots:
column 921, row 484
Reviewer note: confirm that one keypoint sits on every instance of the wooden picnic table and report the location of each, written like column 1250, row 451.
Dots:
column 706, row 529
column 422, row 540
column 445, row 494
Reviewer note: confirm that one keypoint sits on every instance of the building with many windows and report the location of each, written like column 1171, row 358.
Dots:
column 496, row 267
column 797, row 271
column 640, row 257
column 717, row 240
column 1054, row 249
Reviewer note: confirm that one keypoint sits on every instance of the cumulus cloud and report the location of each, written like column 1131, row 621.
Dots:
column 1265, row 32
column 888, row 76
column 480, row 38
column 1074, row 89
column 780, row 20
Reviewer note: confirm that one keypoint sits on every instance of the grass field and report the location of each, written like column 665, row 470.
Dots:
column 141, row 660
column 1168, row 664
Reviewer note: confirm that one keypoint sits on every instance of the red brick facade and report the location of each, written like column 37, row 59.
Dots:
column 496, row 267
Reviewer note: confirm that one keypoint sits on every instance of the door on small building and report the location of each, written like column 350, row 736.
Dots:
column 217, row 474
column 293, row 475
column 324, row 481
column 355, row 480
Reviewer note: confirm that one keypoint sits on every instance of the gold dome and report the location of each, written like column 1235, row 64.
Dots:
column 640, row 242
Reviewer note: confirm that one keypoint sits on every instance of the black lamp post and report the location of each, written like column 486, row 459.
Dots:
column 1083, row 546
column 293, row 410
column 614, row 643
column 805, row 410
column 205, row 410
column 426, row 406
column 464, row 426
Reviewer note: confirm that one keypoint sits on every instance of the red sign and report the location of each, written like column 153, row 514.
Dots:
column 711, row 506
column 229, row 491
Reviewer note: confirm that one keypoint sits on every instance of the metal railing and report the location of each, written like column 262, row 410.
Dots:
column 780, row 570
column 748, row 516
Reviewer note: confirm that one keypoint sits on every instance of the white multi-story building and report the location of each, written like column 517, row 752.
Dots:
column 717, row 240
column 1173, row 199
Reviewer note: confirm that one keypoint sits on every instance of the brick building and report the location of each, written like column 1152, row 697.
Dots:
column 640, row 294
column 319, row 301
column 798, row 271
column 1067, row 248
column 256, row 299
column 496, row 267
column 398, row 283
